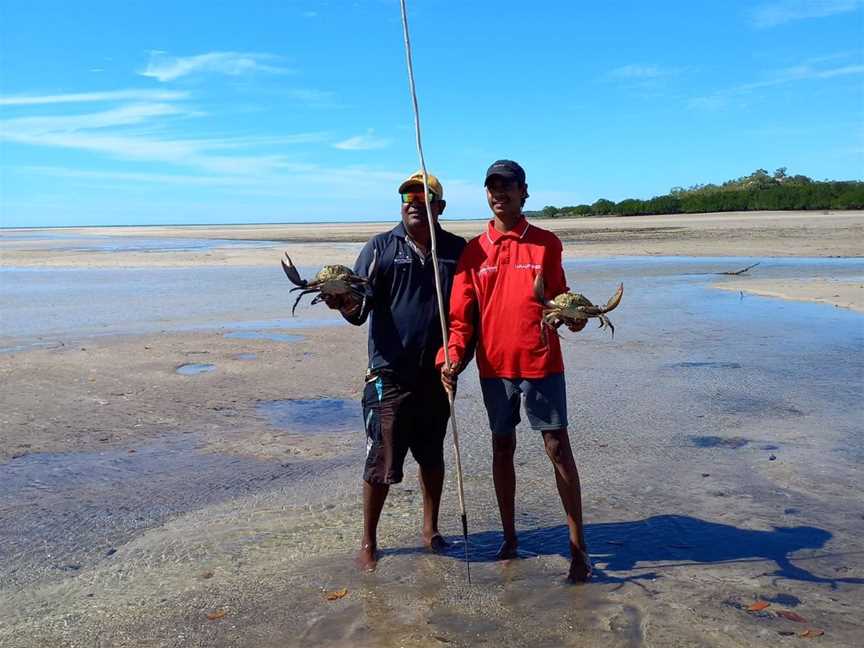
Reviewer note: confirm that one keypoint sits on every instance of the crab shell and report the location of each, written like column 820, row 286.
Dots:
column 571, row 305
column 333, row 280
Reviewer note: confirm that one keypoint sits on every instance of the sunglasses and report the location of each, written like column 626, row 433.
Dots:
column 419, row 196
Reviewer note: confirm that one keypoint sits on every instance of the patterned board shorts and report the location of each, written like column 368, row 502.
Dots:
column 400, row 418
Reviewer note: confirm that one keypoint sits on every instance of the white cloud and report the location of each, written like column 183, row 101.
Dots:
column 123, row 116
column 783, row 11
column 802, row 72
column 637, row 71
column 365, row 142
column 98, row 133
column 168, row 68
column 81, row 97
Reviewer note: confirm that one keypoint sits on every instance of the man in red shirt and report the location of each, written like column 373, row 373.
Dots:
column 493, row 302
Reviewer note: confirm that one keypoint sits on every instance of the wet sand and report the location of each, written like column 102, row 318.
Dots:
column 720, row 461
column 843, row 294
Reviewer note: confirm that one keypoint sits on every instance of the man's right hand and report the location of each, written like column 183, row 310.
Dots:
column 449, row 378
column 347, row 304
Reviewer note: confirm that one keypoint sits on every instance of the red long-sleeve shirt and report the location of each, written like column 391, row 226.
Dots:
column 495, row 278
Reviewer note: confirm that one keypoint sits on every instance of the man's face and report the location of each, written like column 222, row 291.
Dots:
column 505, row 196
column 414, row 212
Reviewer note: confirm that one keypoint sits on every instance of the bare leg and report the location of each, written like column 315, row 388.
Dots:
column 569, row 490
column 504, row 476
column 374, row 496
column 432, row 483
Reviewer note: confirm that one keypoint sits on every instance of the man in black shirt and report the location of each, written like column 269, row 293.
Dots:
column 404, row 404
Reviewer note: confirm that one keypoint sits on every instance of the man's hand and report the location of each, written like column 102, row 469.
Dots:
column 449, row 378
column 347, row 304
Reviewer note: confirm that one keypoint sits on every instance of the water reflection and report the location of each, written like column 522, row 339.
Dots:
column 195, row 368
column 314, row 416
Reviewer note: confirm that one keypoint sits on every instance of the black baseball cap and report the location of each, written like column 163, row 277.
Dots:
column 506, row 169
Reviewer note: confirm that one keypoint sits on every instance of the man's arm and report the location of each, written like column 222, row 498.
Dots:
column 463, row 305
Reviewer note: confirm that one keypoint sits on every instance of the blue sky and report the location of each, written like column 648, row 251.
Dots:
column 280, row 111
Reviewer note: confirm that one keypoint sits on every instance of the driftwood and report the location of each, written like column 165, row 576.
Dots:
column 741, row 271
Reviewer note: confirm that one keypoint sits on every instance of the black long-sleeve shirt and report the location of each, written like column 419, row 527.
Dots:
column 404, row 327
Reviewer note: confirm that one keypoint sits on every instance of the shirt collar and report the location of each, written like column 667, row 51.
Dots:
column 517, row 232
column 399, row 230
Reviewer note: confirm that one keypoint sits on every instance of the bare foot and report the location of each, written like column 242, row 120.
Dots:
column 580, row 567
column 436, row 543
column 508, row 550
column 367, row 558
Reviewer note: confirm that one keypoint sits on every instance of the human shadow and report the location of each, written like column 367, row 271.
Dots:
column 669, row 540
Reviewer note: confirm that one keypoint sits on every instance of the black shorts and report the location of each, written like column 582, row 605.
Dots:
column 400, row 418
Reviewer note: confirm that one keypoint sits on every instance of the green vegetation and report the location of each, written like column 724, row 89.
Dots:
column 758, row 191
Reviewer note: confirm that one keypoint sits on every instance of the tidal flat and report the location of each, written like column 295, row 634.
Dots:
column 718, row 436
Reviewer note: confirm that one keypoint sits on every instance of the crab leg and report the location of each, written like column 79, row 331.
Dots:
column 305, row 292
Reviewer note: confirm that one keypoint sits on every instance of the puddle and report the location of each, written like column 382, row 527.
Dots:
column 719, row 442
column 263, row 335
column 33, row 345
column 194, row 368
column 314, row 416
column 705, row 365
column 246, row 356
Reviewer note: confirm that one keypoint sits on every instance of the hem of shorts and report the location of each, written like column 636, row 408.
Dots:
column 547, row 428
column 384, row 482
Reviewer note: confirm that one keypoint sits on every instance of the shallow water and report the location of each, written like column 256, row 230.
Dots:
column 263, row 335
column 64, row 241
column 674, row 424
column 314, row 416
column 40, row 307
column 67, row 511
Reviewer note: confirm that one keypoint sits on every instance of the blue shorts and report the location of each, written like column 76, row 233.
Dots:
column 545, row 402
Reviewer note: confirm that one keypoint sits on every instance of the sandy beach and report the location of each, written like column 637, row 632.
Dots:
column 179, row 458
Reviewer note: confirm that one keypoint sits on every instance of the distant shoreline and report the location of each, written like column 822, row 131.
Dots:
column 535, row 215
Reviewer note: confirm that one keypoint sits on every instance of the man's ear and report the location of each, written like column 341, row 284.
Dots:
column 441, row 205
column 524, row 194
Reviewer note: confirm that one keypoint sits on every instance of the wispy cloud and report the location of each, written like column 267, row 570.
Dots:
column 108, row 133
column 776, row 13
column 643, row 71
column 803, row 72
column 168, row 68
column 365, row 142
column 82, row 97
column 122, row 116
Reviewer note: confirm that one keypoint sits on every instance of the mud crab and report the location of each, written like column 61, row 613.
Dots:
column 330, row 280
column 574, row 307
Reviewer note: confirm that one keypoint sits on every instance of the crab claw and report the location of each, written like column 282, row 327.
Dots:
column 540, row 290
column 614, row 300
column 291, row 272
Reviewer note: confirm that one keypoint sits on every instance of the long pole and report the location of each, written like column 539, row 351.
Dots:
column 438, row 291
